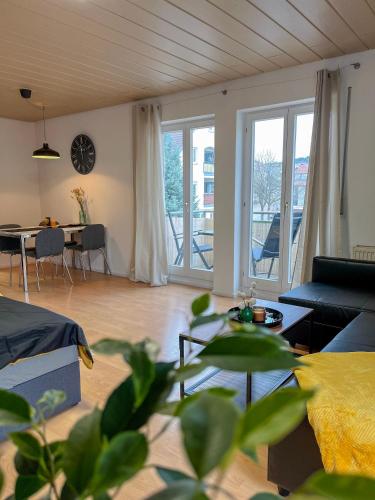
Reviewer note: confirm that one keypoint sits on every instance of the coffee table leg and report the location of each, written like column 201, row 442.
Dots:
column 311, row 333
column 182, row 363
column 248, row 388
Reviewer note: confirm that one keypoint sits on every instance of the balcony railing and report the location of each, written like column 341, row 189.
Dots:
column 203, row 222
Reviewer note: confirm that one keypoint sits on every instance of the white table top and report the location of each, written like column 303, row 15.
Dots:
column 31, row 232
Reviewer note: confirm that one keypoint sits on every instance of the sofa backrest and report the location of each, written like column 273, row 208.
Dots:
column 345, row 272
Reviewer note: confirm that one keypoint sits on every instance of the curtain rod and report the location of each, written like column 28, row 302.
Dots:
column 355, row 65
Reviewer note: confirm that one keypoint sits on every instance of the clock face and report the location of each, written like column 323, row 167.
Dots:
column 82, row 154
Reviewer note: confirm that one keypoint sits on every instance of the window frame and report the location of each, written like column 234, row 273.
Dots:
column 186, row 273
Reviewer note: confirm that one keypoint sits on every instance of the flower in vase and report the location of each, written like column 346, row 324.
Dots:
column 80, row 196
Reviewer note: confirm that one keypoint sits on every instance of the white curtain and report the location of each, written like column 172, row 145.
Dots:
column 320, row 232
column 150, row 251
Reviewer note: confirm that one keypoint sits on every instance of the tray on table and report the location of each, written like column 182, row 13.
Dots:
column 273, row 317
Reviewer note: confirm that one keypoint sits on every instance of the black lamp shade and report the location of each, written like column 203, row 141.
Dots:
column 46, row 153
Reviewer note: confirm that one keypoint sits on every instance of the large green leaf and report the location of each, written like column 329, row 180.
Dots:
column 140, row 358
column 254, row 352
column 14, row 409
column 118, row 409
column 186, row 489
column 51, row 399
column 170, row 475
column 55, row 450
column 271, row 418
column 2, row 481
column 337, row 487
column 81, row 451
column 25, row 466
column 188, row 371
column 120, row 413
column 114, row 346
column 26, row 486
column 102, row 496
column 67, row 493
column 27, row 445
column 158, row 393
column 210, row 318
column 124, row 456
column 175, row 407
column 200, row 304
column 209, row 426
column 111, row 347
column 143, row 371
column 265, row 496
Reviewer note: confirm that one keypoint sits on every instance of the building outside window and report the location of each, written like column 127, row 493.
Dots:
column 209, row 155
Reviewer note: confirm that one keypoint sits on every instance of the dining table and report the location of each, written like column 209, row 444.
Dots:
column 25, row 233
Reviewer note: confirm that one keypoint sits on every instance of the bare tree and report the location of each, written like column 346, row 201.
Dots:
column 267, row 181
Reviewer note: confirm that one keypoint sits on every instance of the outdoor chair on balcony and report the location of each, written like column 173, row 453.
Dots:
column 197, row 248
column 270, row 248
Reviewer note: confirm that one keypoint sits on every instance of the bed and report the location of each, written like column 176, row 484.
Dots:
column 40, row 350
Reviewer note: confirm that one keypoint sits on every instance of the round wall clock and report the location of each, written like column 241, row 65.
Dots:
column 82, row 154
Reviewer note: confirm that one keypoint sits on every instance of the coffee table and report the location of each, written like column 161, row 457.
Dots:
column 293, row 316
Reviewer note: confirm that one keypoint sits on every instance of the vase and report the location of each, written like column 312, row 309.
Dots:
column 83, row 217
column 246, row 314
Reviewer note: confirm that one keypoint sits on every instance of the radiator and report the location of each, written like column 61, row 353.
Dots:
column 362, row 252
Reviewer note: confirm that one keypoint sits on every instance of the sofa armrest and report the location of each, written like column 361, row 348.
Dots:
column 344, row 272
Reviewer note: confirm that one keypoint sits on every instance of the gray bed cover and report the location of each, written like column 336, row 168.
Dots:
column 27, row 330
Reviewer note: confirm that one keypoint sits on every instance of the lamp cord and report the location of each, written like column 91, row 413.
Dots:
column 44, row 124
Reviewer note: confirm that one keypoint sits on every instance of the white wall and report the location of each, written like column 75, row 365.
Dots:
column 110, row 184
column 19, row 187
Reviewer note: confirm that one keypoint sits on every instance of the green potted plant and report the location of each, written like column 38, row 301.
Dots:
column 108, row 447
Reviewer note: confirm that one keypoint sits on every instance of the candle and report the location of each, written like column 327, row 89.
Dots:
column 259, row 313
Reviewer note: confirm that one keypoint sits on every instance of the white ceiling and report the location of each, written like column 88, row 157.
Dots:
column 84, row 54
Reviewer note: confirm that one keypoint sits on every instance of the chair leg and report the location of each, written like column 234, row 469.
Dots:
column 254, row 267
column 82, row 266
column 43, row 272
column 37, row 275
column 178, row 258
column 271, row 266
column 66, row 269
column 205, row 263
column 10, row 270
column 106, row 265
column 89, row 259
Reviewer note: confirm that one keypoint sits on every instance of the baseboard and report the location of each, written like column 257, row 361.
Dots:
column 195, row 282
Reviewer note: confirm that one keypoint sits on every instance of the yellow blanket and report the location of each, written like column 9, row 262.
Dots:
column 342, row 413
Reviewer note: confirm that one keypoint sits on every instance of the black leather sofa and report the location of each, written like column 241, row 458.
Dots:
column 342, row 294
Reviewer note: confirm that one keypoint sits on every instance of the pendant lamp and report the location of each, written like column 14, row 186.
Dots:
column 45, row 152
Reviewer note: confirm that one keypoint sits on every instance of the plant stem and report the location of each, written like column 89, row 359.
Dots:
column 220, row 478
column 161, row 432
column 42, row 434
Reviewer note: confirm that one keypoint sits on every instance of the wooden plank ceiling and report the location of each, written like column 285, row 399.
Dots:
column 84, row 54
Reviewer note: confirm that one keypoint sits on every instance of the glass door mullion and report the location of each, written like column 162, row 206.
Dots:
column 189, row 179
column 287, row 200
column 265, row 164
column 187, row 212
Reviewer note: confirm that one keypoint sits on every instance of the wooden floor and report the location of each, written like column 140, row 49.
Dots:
column 115, row 307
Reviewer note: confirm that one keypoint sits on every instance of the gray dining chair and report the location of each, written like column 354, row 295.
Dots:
column 49, row 242
column 196, row 248
column 270, row 248
column 92, row 238
column 11, row 247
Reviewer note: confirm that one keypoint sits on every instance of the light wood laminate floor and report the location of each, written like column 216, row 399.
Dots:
column 107, row 306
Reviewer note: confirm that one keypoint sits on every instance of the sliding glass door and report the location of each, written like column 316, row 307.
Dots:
column 189, row 180
column 275, row 179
